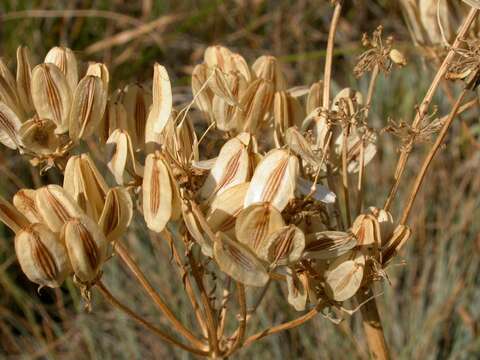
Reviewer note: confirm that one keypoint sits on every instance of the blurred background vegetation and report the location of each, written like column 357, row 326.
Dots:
column 429, row 305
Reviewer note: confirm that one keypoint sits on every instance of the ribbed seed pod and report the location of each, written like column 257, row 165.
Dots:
column 24, row 78
column 11, row 217
column 367, row 230
column 121, row 157
column 137, row 103
column 65, row 60
column 327, row 245
column 24, row 202
column 38, row 136
column 267, row 67
column 114, row 117
column 201, row 92
column 42, row 256
column 287, row 112
column 99, row 70
column 117, row 213
column 300, row 146
column 9, row 127
column 297, row 292
column 283, row 246
column 8, row 91
column 344, row 276
column 400, row 235
column 315, row 97
column 161, row 99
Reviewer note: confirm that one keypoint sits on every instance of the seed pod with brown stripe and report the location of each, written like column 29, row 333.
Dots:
column 65, row 60
column 56, row 206
column 88, row 107
column 220, row 84
column 274, row 179
column 287, row 112
column 314, row 98
column 137, row 103
column 197, row 227
column 114, row 117
column 283, row 246
column 344, row 276
column 100, row 70
column 24, row 78
column 161, row 99
column 297, row 292
column 38, row 136
column 86, row 247
column 300, row 146
column 201, row 92
column 121, row 157
column 267, row 67
column 9, row 127
column 326, row 245
column 11, row 217
column 24, row 201
column 239, row 262
column 117, row 213
column 8, row 91
column 367, row 230
column 399, row 237
column 51, row 95
column 42, row 256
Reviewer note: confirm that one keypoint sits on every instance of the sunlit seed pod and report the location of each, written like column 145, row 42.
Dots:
column 344, row 276
column 397, row 57
column 315, row 97
column 232, row 167
column 9, row 127
column 187, row 142
column 86, row 247
column 117, row 213
column 114, row 117
column 85, row 184
column 24, row 78
column 121, row 157
column 431, row 12
column 9, row 95
column 297, row 293
column 56, row 206
column 42, row 256
column 99, row 70
column 283, row 246
column 385, row 220
column 354, row 146
column 161, row 99
column 350, row 97
column 38, row 136
column 241, row 66
column 255, row 223
column 65, row 60
column 201, row 92
column 24, row 202
column 287, row 112
column 239, row 262
column 274, row 179
column 198, row 227
column 88, row 107
column 137, row 103
column 267, row 67
column 217, row 56
column 9, row 79
column 225, row 208
column 301, row 147
column 327, row 245
column 11, row 217
column 399, row 237
column 51, row 95
column 157, row 192
column 367, row 230
column 220, row 84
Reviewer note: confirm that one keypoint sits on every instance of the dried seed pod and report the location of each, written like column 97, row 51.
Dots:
column 9, row 127
column 255, row 223
column 220, row 84
column 315, row 97
column 24, row 202
column 283, row 246
column 162, row 99
column 217, row 56
column 397, row 57
column 201, row 92
column 85, row 184
column 320, row 193
column 354, row 145
column 239, row 65
column 114, row 117
column 117, row 213
column 51, row 95
column 274, row 179
column 237, row 261
column 327, row 245
column 344, row 276
column 24, row 77
column 297, row 292
column 88, row 107
column 158, row 192
column 42, row 256
column 367, row 230
column 431, row 12
column 121, row 157
column 198, row 227
column 65, row 60
column 86, row 247
column 11, row 217
column 287, row 112
column 99, row 70
column 385, row 221
column 137, row 103
column 267, row 67
column 400, row 235
column 8, row 91
column 225, row 208
column 56, row 206
column 300, row 146
column 232, row 167
column 38, row 136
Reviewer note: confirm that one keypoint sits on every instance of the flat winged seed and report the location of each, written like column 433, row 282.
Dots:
column 267, row 67
column 198, row 228
column 100, row 70
column 88, row 106
column 114, row 117
column 367, row 230
column 86, row 247
column 118, row 154
column 201, row 92
column 327, row 245
column 315, row 96
column 11, row 217
column 117, row 213
column 255, row 223
column 56, row 206
column 42, row 256
column 400, row 235
column 162, row 99
column 9, row 127
column 137, row 103
column 232, row 167
column 344, row 276
column 8, row 92
column 283, row 246
column 217, row 56
column 274, row 179
column 354, row 145
column 38, row 136
column 65, row 60
column 24, row 77
column 297, row 293
column 220, row 84
column 385, row 220
column 157, row 193
column 51, row 95
column 320, row 193
column 225, row 208
column 240, row 65
column 238, row 261
column 287, row 112
column 24, row 202
column 300, row 146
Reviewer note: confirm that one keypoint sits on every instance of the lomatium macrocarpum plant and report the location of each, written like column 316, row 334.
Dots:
column 253, row 182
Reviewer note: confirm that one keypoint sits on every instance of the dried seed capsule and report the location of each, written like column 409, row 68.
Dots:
column 315, row 97
column 8, row 91
column 297, row 293
column 201, row 92
column 198, row 228
column 11, row 217
column 65, row 60
column 354, row 149
column 117, row 213
column 24, row 78
column 9, row 127
column 137, row 103
column 367, row 230
column 51, row 95
column 267, row 67
column 24, row 201
column 121, row 157
column 86, row 247
column 217, row 56
column 327, row 245
column 283, row 246
column 300, row 146
column 385, row 221
column 400, row 235
column 114, row 117
column 42, row 256
column 397, row 57
column 162, row 99
column 237, row 261
column 38, row 136
column 287, row 112
column 344, row 276
column 56, row 206
column 220, row 84
column 99, row 70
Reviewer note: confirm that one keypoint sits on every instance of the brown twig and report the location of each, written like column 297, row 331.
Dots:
column 242, row 319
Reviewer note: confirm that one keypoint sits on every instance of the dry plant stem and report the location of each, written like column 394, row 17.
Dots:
column 132, row 265
column 372, row 326
column 346, row 133
column 360, row 179
column 242, row 319
column 222, row 317
column 428, row 160
column 405, row 153
column 114, row 302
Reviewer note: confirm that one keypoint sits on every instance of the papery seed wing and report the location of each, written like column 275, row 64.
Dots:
column 237, row 261
column 274, row 180
column 51, row 95
column 38, row 136
column 24, row 202
column 283, row 246
column 327, row 245
column 117, row 154
column 162, row 99
column 198, row 227
column 217, row 56
column 9, row 127
column 400, row 235
column 268, row 68
column 287, row 112
column 99, row 70
column 321, row 192
column 42, row 256
column 114, row 117
column 300, row 146
column 220, row 84
column 8, row 92
column 117, row 213
column 65, row 60
column 255, row 223
column 24, row 77
column 201, row 92
column 345, row 275
column 367, row 230
column 315, row 97
column 297, row 294
column 11, row 217
column 137, row 103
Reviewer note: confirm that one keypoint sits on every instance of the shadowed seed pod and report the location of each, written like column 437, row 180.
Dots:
column 327, row 245
column 121, row 158
column 24, row 78
column 367, row 230
column 117, row 213
column 65, row 60
column 137, row 103
column 198, row 227
column 42, row 256
column 99, row 70
column 114, row 117
column 300, row 146
column 400, row 235
column 268, row 67
column 11, row 217
column 24, row 202
column 283, row 246
column 9, row 127
column 38, row 136
column 287, row 112
column 201, row 93
column 297, row 292
column 315, row 97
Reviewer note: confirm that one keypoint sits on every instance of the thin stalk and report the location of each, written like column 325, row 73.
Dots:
column 360, row 179
column 117, row 304
column 161, row 305
column 422, row 111
column 222, row 317
column 346, row 193
column 242, row 319
column 428, row 160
